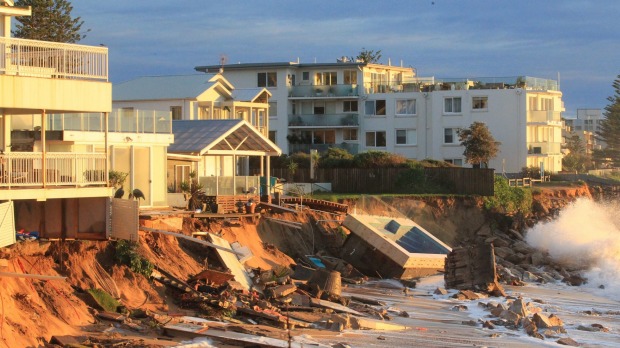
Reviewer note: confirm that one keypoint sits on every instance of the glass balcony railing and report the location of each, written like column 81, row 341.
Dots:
column 544, row 116
column 350, row 147
column 544, row 148
column 323, row 91
column 119, row 121
column 429, row 84
column 337, row 120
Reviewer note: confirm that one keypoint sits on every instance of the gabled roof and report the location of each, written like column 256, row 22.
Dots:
column 249, row 94
column 220, row 137
column 168, row 87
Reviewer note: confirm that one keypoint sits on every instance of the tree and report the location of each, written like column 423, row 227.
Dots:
column 610, row 128
column 576, row 159
column 368, row 56
column 50, row 21
column 480, row 146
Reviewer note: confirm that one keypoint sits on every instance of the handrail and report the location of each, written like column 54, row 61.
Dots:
column 52, row 59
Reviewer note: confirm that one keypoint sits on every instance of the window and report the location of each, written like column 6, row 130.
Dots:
column 405, row 107
column 305, row 75
column 326, row 78
column 449, row 135
column 273, row 109
column 479, row 103
column 268, row 79
column 375, row 139
column 350, row 77
column 533, row 103
column 452, row 105
column 324, row 137
column 319, row 108
column 455, row 161
column 272, row 136
column 375, row 107
column 349, row 134
column 349, row 106
column 406, row 137
column 176, row 112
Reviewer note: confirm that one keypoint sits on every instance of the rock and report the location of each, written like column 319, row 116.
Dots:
column 587, row 328
column 567, row 341
column 440, row 291
column 488, row 325
column 459, row 308
column 519, row 307
column 574, row 280
column 548, row 322
column 529, row 326
column 510, row 316
column 469, row 323
column 496, row 312
column 538, row 259
column 503, row 252
column 600, row 327
column 514, row 233
column 530, row 277
column 339, row 322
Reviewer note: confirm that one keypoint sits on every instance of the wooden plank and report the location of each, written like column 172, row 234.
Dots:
column 277, row 208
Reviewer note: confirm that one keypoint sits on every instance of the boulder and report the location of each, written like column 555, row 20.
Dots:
column 567, row 341
column 520, row 307
column 511, row 317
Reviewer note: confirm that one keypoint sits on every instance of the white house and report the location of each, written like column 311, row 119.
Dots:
column 59, row 137
column 361, row 107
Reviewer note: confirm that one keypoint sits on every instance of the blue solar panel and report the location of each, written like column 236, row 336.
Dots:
column 416, row 241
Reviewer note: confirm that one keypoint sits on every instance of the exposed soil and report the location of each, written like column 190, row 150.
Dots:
column 32, row 311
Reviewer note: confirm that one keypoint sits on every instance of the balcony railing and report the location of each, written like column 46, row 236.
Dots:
column 545, row 116
column 544, row 148
column 294, row 148
column 338, row 120
column 323, row 91
column 52, row 59
column 120, row 121
column 19, row 169
column 230, row 185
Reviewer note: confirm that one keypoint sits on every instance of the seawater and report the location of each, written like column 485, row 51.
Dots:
column 586, row 234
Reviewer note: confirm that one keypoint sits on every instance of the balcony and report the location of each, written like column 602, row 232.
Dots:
column 119, row 121
column 323, row 91
column 35, row 58
column 544, row 117
column 230, row 185
column 294, row 148
column 543, row 149
column 329, row 121
column 25, row 169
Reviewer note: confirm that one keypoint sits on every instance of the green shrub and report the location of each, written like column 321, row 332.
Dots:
column 414, row 180
column 127, row 254
column 509, row 199
column 533, row 172
column 336, row 158
column 379, row 159
column 105, row 300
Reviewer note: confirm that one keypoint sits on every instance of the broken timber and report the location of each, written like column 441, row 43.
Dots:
column 277, row 208
column 31, row 276
column 196, row 240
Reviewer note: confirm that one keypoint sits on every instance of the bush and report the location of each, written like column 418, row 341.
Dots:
column 414, row 180
column 509, row 199
column 127, row 254
column 336, row 158
column 381, row 159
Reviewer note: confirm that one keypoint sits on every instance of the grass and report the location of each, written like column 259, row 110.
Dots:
column 105, row 300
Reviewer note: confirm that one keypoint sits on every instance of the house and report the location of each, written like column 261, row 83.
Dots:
column 220, row 131
column 586, row 123
column 60, row 138
column 364, row 106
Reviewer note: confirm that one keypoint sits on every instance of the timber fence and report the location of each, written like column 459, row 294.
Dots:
column 466, row 181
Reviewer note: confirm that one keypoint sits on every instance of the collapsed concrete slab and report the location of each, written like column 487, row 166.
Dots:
column 392, row 247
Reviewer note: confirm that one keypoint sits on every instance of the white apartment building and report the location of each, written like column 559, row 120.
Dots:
column 359, row 107
column 586, row 124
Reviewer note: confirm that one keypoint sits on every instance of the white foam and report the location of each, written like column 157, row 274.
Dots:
column 586, row 234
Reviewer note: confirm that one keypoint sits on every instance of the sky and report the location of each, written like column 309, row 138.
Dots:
column 575, row 40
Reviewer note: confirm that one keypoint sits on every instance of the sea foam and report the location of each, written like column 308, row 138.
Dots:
column 586, row 235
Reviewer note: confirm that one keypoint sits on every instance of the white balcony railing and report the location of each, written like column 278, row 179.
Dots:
column 20, row 169
column 52, row 59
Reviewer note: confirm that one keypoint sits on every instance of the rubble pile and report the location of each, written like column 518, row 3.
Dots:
column 517, row 314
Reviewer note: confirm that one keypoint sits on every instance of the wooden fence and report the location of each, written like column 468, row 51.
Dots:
column 383, row 180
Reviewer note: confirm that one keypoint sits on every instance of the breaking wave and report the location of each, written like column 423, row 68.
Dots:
column 585, row 235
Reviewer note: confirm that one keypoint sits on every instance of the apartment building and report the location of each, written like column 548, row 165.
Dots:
column 361, row 106
column 586, row 123
column 59, row 138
